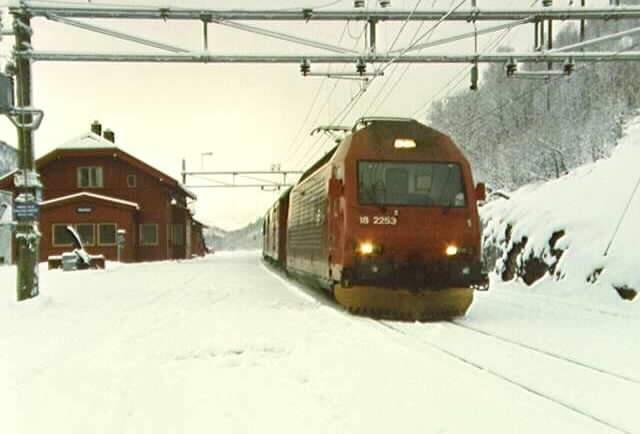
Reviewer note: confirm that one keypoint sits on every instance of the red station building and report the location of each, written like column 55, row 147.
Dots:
column 96, row 187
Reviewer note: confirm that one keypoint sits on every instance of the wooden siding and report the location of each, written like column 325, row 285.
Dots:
column 103, row 212
column 307, row 249
column 159, row 200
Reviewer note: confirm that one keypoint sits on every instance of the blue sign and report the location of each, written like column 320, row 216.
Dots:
column 26, row 211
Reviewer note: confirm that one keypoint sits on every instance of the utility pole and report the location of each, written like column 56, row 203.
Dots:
column 27, row 181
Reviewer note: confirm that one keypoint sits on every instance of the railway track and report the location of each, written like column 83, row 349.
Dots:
column 499, row 297
column 551, row 354
column 566, row 401
column 608, row 405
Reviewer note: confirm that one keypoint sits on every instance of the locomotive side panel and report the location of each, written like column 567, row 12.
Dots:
column 268, row 231
column 281, row 231
column 274, row 231
column 307, row 247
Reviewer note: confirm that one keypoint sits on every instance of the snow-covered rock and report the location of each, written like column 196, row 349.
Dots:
column 578, row 231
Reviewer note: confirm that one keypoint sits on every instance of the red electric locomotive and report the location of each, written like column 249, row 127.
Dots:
column 387, row 221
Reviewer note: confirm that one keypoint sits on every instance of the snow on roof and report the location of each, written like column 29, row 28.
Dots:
column 93, row 196
column 88, row 141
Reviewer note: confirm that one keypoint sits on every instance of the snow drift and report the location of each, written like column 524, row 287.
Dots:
column 562, row 231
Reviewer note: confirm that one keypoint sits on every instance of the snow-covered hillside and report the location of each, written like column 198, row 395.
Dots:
column 246, row 238
column 224, row 345
column 564, row 229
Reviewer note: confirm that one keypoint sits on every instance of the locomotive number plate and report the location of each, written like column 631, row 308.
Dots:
column 379, row 220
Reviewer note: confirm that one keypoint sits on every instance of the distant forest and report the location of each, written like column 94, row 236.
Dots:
column 246, row 238
column 518, row 131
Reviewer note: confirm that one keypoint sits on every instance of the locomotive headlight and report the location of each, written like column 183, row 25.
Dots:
column 367, row 248
column 452, row 250
column 404, row 144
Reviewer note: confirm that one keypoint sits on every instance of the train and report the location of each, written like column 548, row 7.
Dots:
column 386, row 222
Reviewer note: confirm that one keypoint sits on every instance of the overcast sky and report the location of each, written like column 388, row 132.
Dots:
column 248, row 116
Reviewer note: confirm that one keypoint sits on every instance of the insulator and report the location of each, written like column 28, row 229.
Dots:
column 361, row 68
column 474, row 77
column 511, row 67
column 384, row 3
column 358, row 3
column 305, row 67
column 569, row 67
column 547, row 3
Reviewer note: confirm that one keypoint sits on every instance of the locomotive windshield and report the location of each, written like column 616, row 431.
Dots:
column 413, row 184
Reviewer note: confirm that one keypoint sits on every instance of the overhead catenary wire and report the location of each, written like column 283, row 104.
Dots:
column 300, row 130
column 413, row 43
column 395, row 67
column 291, row 157
column 430, row 33
column 461, row 75
column 318, row 145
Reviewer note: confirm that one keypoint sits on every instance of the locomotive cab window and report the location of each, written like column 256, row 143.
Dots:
column 411, row 184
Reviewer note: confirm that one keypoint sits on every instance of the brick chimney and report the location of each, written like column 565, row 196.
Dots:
column 110, row 135
column 96, row 128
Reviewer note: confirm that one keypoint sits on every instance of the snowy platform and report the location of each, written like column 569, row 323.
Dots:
column 222, row 344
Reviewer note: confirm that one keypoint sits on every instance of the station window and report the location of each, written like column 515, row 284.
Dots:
column 107, row 234
column 132, row 181
column 148, row 234
column 60, row 235
column 90, row 177
column 87, row 232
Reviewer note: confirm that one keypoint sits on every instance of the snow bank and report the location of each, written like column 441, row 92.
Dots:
column 583, row 210
column 222, row 345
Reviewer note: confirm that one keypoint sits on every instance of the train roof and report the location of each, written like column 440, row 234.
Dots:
column 368, row 120
column 360, row 124
column 321, row 162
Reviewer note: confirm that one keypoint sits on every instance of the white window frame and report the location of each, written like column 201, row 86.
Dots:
column 135, row 180
column 99, row 176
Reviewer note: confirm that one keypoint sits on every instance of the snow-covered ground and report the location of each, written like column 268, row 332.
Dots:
column 596, row 207
column 223, row 344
